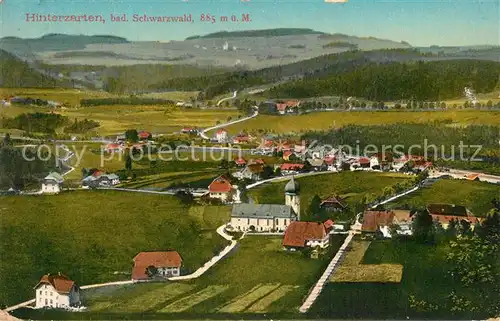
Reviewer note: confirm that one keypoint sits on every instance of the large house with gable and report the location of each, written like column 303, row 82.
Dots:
column 221, row 188
column 52, row 183
column 56, row 291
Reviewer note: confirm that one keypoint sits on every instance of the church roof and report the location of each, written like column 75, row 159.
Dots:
column 245, row 210
column 292, row 187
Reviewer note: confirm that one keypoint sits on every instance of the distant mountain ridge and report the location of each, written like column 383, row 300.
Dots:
column 276, row 32
column 62, row 36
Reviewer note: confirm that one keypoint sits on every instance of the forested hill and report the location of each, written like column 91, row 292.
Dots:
column 16, row 73
column 434, row 80
column 278, row 32
column 378, row 75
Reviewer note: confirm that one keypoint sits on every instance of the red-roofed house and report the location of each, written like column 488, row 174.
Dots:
column 364, row 162
column 287, row 154
column 56, row 291
column 167, row 264
column 221, row 135
column 240, row 162
column 257, row 161
column 144, row 135
column 374, row 221
column 281, row 108
column 299, row 235
column 444, row 213
column 333, row 204
column 241, row 139
column 222, row 189
column 290, row 168
column 113, row 147
column 328, row 225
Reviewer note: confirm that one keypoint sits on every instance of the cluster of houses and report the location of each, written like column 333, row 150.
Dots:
column 222, row 137
column 380, row 222
column 281, row 107
column 120, row 144
column 8, row 101
column 53, row 183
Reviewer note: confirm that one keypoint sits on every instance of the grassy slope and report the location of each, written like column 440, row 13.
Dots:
column 425, row 275
column 352, row 185
column 89, row 235
column 476, row 196
column 258, row 261
column 327, row 120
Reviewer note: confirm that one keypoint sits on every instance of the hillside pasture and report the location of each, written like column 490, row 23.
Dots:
column 90, row 235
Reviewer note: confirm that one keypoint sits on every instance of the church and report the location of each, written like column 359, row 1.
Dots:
column 268, row 217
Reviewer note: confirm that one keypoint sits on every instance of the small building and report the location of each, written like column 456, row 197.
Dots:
column 221, row 136
column 305, row 234
column 261, row 217
column 241, row 139
column 189, row 130
column 167, row 264
column 364, row 162
column 251, row 171
column 287, row 155
column 221, row 188
column 377, row 221
column 444, row 213
column 318, row 165
column 100, row 179
column 52, row 183
column 240, row 162
column 144, row 135
column 334, row 203
column 291, row 168
column 56, row 291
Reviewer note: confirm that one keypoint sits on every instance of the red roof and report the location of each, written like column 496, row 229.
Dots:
column 144, row 134
column 329, row 160
column 187, row 129
column 258, row 161
column 287, row 153
column 298, row 233
column 364, row 160
column 143, row 260
column 290, row 166
column 328, row 224
column 60, row 282
column 222, row 130
column 281, row 107
column 97, row 173
column 373, row 219
column 292, row 103
column 220, row 185
column 240, row 161
column 113, row 146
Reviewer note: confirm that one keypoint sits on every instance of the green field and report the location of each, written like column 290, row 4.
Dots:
column 259, row 278
column 476, row 196
column 328, row 120
column 425, row 277
column 89, row 235
column 350, row 185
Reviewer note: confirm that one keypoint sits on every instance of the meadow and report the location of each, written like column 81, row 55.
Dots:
column 423, row 293
column 352, row 186
column 298, row 124
column 90, row 235
column 259, row 277
column 474, row 195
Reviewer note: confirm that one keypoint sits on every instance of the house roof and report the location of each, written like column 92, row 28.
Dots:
column 255, row 168
column 257, row 161
column 143, row 134
column 60, row 282
column 291, row 166
column 328, row 224
column 287, row 153
column 364, row 160
column 298, row 233
column 157, row 259
column 55, row 177
column 373, row 219
column 246, row 210
column 222, row 130
column 472, row 176
column 446, row 209
column 334, row 199
column 240, row 161
column 220, row 185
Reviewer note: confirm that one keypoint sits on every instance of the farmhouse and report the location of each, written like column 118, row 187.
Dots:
column 100, row 179
column 268, row 217
column 287, row 155
column 240, row 162
column 377, row 221
column 144, row 135
column 290, row 168
column 251, row 171
column 444, row 213
column 221, row 136
column 241, row 139
column 56, row 291
column 166, row 264
column 333, row 203
column 222, row 189
column 52, row 183
column 299, row 235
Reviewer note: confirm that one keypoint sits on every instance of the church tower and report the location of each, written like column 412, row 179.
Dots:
column 292, row 197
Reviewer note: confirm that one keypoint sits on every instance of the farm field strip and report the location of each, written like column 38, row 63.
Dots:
column 263, row 304
column 150, row 299
column 189, row 301
column 351, row 269
column 248, row 298
column 238, row 297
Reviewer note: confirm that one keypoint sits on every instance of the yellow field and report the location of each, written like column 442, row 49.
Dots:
column 263, row 304
column 241, row 302
column 187, row 302
column 328, row 120
column 173, row 95
column 70, row 96
column 351, row 270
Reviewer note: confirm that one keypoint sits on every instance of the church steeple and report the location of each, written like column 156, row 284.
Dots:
column 292, row 197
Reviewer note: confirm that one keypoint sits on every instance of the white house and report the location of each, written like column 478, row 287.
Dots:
column 52, row 183
column 56, row 291
column 221, row 136
column 167, row 264
column 222, row 189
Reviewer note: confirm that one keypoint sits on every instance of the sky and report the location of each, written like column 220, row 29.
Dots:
column 421, row 23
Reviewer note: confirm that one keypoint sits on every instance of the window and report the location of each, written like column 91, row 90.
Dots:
column 51, row 302
column 51, row 293
column 277, row 222
column 285, row 221
column 40, row 292
column 46, row 302
column 45, row 292
column 248, row 221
